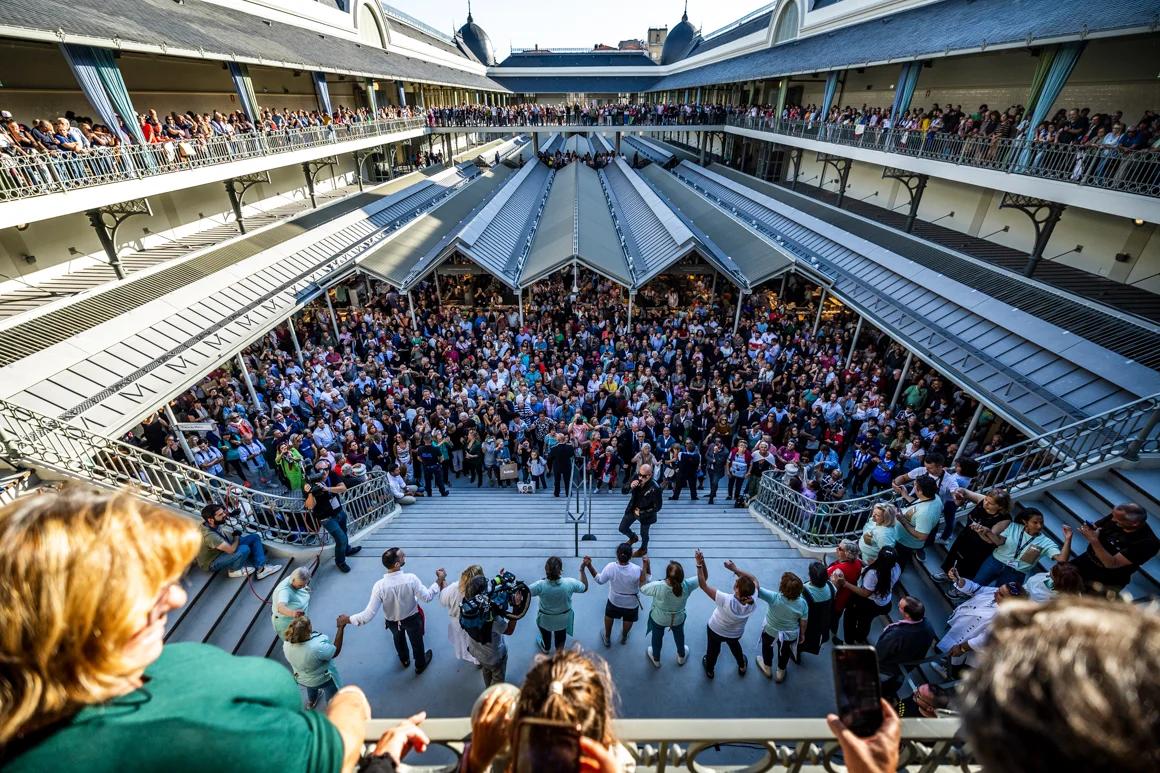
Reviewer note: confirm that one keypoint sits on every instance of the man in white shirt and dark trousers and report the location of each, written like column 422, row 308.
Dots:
column 624, row 579
column 399, row 594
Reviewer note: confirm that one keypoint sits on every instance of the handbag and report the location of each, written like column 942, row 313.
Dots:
column 508, row 471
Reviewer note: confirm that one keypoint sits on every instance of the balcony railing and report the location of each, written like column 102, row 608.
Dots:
column 1093, row 166
column 43, row 173
column 751, row 745
column 1121, row 434
column 29, row 439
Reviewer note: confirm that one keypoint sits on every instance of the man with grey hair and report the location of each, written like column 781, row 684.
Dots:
column 290, row 600
column 1118, row 544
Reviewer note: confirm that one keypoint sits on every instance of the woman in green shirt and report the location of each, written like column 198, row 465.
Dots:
column 785, row 622
column 311, row 657
column 100, row 692
column 555, row 616
column 670, row 596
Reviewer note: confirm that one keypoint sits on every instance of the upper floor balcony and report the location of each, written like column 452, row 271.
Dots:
column 1101, row 178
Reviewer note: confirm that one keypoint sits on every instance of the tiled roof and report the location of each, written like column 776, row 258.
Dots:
column 226, row 33
column 756, row 24
column 929, row 31
column 585, row 84
column 575, row 59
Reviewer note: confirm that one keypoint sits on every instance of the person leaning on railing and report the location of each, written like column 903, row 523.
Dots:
column 87, row 683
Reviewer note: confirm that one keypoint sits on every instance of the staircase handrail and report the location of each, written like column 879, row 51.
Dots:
column 30, row 438
column 1121, row 433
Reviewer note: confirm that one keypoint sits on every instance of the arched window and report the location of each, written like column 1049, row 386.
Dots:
column 787, row 24
column 369, row 30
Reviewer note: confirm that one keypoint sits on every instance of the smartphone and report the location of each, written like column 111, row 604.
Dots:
column 1089, row 524
column 547, row 746
column 857, row 689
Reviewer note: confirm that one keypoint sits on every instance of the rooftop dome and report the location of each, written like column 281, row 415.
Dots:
column 476, row 40
column 680, row 41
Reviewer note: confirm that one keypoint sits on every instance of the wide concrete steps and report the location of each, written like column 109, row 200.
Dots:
column 503, row 523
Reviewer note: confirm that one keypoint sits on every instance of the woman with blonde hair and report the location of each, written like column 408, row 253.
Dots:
column 878, row 532
column 87, row 681
column 571, row 686
column 452, row 597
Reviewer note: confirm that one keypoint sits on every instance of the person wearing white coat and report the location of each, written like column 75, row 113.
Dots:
column 451, row 597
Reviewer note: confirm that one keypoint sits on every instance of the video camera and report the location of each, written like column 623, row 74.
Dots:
column 506, row 597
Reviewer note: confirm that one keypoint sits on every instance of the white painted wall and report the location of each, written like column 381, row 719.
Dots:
column 69, row 242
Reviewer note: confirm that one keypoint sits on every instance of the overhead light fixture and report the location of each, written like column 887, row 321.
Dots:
column 1138, row 221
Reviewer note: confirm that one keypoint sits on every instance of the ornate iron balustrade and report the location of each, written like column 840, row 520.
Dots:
column 1095, row 167
column 43, row 173
column 29, row 438
column 707, row 745
column 1122, row 433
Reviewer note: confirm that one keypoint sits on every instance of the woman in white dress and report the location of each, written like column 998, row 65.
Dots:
column 452, row 597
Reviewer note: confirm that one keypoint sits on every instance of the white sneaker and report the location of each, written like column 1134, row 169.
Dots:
column 764, row 669
column 683, row 656
column 245, row 571
column 779, row 677
column 940, row 577
column 648, row 653
column 268, row 570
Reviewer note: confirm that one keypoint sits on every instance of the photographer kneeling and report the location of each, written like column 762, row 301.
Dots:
column 489, row 612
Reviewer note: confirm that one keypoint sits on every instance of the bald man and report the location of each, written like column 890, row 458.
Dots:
column 644, row 502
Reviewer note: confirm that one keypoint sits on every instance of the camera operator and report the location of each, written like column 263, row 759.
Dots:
column 322, row 501
column 485, row 642
column 221, row 548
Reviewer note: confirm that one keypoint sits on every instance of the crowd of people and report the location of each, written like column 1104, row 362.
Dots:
column 90, row 683
column 578, row 114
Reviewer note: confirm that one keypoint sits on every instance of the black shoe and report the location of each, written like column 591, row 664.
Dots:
column 710, row 500
column 344, row 568
column 741, row 669
column 695, row 498
column 672, row 499
column 427, row 657
column 443, row 494
column 406, row 664
column 354, row 551
column 705, row 665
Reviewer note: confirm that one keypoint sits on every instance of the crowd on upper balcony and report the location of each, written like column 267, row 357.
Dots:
column 74, row 146
column 576, row 113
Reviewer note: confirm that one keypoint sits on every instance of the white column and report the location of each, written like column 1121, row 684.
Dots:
column 330, row 308
column 520, row 294
column 249, row 384
column 821, row 305
column 737, row 318
column 970, row 431
column 781, row 292
column 294, row 338
column 411, row 306
column 575, row 277
column 438, row 295
column 713, row 289
column 854, row 342
column 631, row 295
column 180, row 436
column 901, row 380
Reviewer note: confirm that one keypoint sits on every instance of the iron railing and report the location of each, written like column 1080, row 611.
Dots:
column 39, row 174
column 1094, row 166
column 30, row 439
column 751, row 745
column 1123, row 433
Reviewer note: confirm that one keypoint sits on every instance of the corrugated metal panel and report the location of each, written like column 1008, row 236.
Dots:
column 499, row 236
column 655, row 237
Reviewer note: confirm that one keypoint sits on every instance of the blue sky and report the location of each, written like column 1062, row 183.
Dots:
column 572, row 24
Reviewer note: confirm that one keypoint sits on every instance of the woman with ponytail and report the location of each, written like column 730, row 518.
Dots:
column 670, row 596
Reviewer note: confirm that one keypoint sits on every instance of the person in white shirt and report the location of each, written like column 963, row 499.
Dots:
column 403, row 493
column 727, row 623
column 969, row 625
column 399, row 594
column 624, row 579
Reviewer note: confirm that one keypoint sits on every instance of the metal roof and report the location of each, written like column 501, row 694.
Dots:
column 501, row 233
column 756, row 24
column 932, row 30
column 575, row 84
column 222, row 32
column 655, row 237
column 574, row 59
column 739, row 252
column 576, row 225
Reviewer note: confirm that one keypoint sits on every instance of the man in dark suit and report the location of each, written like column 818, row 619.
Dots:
column 905, row 641
column 562, row 458
column 644, row 502
column 688, row 463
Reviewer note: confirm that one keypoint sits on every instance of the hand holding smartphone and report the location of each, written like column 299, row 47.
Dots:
column 857, row 689
column 546, row 746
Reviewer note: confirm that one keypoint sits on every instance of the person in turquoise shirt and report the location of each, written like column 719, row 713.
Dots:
column 918, row 521
column 290, row 600
column 311, row 657
column 101, row 691
column 785, row 623
column 1019, row 548
column 670, row 596
column 555, row 616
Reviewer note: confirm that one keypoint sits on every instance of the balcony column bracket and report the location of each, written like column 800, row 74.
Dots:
column 237, row 188
column 854, row 342
column 841, row 168
column 915, row 185
column 359, row 157
column 106, row 220
column 795, row 158
column 1044, row 216
column 310, row 170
